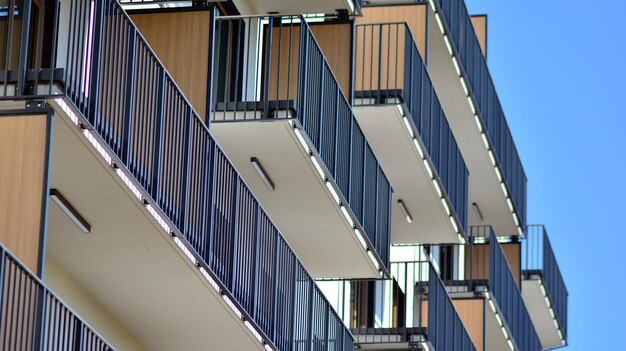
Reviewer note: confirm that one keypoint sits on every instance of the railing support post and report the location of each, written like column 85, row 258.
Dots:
column 158, row 134
column 210, row 72
column 268, row 67
column 310, row 317
column 94, row 73
column 129, row 92
column 184, row 209
column 302, row 72
column 24, row 53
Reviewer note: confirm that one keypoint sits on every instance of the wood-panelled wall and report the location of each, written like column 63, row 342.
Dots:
column 513, row 253
column 480, row 27
column 472, row 313
column 477, row 261
column 391, row 61
column 414, row 15
column 379, row 65
column 334, row 40
column 181, row 41
column 23, row 156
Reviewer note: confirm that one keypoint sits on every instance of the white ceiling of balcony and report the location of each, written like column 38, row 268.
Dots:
column 301, row 206
column 494, row 338
column 385, row 131
column 128, row 264
column 540, row 314
column 262, row 7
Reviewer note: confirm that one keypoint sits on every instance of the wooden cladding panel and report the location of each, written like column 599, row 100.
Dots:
column 22, row 169
column 379, row 64
column 477, row 261
column 181, row 41
column 413, row 15
column 480, row 27
column 284, row 63
column 472, row 313
column 334, row 41
column 12, row 60
column 424, row 315
column 512, row 252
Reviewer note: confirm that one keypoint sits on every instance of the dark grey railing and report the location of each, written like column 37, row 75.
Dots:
column 445, row 327
column 486, row 266
column 273, row 68
column 474, row 65
column 412, row 307
column 33, row 318
column 390, row 70
column 505, row 291
column 126, row 97
column 538, row 259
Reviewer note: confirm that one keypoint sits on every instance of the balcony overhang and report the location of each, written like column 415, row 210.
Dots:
column 394, row 339
column 253, row 7
column 387, row 134
column 301, row 204
column 128, row 263
column 485, row 188
column 541, row 314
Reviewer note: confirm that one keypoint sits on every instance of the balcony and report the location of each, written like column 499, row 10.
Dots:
column 400, row 114
column 250, row 7
column 412, row 310
column 283, row 120
column 467, row 94
column 33, row 317
column 543, row 288
column 177, row 252
column 489, row 271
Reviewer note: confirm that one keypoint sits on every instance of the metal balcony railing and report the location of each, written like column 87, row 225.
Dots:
column 390, row 70
column 33, row 318
column 538, row 260
column 273, row 68
column 123, row 95
column 486, row 268
column 490, row 110
column 412, row 307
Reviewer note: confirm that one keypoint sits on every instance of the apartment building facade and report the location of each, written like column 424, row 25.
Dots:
column 262, row 174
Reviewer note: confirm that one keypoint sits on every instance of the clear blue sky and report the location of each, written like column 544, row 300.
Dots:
column 559, row 68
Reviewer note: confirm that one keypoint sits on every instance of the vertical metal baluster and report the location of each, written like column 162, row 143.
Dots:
column 9, row 41
column 95, row 61
column 53, row 57
column 129, row 91
column 268, row 64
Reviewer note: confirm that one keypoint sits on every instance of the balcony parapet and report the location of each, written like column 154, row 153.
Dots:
column 456, row 26
column 272, row 68
column 539, row 263
column 389, row 70
column 410, row 309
